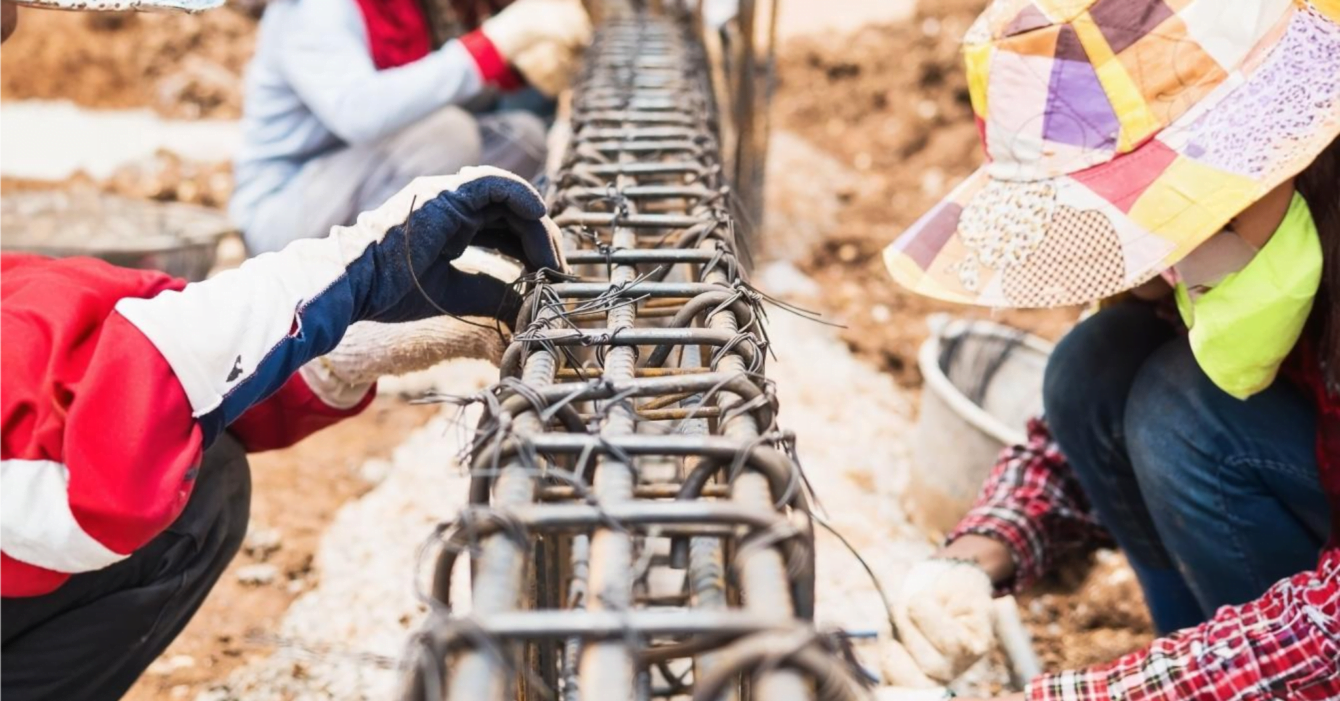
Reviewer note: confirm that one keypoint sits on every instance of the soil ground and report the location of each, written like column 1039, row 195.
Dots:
column 179, row 65
column 886, row 104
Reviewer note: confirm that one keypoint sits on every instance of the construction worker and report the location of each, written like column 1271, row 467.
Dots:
column 132, row 398
column 1185, row 153
column 347, row 101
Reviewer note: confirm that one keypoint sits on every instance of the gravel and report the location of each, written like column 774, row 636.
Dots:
column 257, row 575
column 363, row 607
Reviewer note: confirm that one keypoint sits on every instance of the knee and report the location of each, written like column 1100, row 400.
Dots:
column 1071, row 363
column 1166, row 424
column 1090, row 373
column 450, row 135
column 527, row 129
column 515, row 140
column 230, row 479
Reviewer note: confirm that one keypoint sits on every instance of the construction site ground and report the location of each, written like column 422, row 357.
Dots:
column 871, row 126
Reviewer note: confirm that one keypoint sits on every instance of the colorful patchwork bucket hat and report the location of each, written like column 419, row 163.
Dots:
column 1120, row 135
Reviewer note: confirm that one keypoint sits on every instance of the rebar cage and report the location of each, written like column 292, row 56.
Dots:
column 639, row 527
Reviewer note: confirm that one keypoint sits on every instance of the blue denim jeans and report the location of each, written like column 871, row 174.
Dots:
column 1213, row 499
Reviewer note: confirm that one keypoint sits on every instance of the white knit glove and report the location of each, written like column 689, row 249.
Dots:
column 525, row 23
column 944, row 617
column 548, row 66
column 370, row 350
column 897, row 668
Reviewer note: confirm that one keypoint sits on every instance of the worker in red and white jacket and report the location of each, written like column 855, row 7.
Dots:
column 130, row 400
column 346, row 101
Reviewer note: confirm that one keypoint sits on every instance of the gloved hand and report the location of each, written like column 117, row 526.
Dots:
column 548, row 66
column 526, row 23
column 897, row 668
column 409, row 244
column 236, row 338
column 944, row 617
column 370, row 350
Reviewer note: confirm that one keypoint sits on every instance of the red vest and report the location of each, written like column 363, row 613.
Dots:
column 399, row 31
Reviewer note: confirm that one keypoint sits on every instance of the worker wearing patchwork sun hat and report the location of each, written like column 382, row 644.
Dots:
column 1120, row 135
column 1169, row 156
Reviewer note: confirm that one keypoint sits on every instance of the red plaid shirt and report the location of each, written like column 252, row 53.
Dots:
column 1284, row 645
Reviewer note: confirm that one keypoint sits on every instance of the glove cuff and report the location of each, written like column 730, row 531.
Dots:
column 330, row 388
column 371, row 350
column 493, row 66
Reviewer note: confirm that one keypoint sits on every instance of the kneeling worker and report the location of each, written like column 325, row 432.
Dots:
column 132, row 398
column 347, row 101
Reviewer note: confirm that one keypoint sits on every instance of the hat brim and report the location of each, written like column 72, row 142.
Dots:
column 189, row 6
column 1097, row 232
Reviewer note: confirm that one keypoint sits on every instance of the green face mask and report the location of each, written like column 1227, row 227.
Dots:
column 1246, row 324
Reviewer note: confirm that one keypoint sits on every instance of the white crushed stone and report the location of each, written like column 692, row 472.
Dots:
column 782, row 278
column 851, row 423
column 849, row 420
column 364, row 601
column 165, row 666
column 261, row 542
column 374, row 471
column 61, row 138
column 257, row 575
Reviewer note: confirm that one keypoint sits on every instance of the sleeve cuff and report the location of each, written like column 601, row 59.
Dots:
column 331, row 390
column 493, row 68
column 1082, row 685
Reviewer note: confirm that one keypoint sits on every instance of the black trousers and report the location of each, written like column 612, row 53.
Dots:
column 93, row 637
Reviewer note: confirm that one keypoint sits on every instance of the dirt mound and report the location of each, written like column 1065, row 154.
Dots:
column 890, row 102
column 164, row 177
column 186, row 66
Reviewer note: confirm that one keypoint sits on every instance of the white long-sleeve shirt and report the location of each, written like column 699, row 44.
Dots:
column 312, row 87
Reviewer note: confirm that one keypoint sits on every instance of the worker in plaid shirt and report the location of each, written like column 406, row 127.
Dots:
column 1180, row 159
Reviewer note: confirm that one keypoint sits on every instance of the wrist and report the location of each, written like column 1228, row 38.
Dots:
column 494, row 68
column 332, row 389
column 990, row 555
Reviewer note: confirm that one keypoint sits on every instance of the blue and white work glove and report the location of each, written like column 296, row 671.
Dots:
column 400, row 255
column 236, row 338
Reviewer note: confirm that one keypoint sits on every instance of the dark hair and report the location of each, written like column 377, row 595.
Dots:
column 1320, row 186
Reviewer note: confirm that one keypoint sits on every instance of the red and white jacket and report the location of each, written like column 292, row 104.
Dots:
column 100, row 444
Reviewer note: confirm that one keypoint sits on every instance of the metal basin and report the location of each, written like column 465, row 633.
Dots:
column 983, row 383
column 178, row 239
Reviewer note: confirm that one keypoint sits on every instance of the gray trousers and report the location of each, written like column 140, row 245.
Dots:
column 333, row 189
column 92, row 638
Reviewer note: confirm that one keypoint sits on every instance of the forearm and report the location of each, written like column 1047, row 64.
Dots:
column 1281, row 645
column 1030, row 511
column 361, row 104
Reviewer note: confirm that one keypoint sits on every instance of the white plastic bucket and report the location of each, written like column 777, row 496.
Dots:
column 983, row 381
